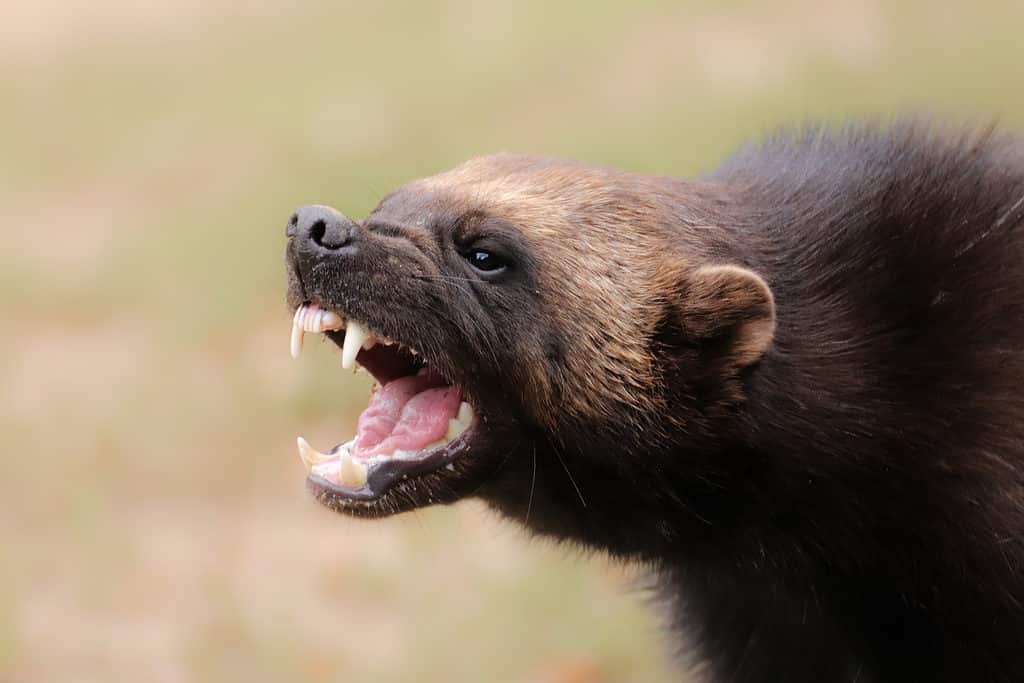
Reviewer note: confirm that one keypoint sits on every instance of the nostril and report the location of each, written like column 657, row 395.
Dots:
column 317, row 231
column 321, row 226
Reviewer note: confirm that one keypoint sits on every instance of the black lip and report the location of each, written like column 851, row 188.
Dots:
column 386, row 474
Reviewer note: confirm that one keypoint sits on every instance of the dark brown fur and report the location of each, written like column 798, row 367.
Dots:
column 793, row 387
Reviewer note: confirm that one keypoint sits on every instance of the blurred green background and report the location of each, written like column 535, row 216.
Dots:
column 154, row 522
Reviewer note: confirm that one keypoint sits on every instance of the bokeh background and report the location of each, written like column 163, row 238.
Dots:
column 153, row 522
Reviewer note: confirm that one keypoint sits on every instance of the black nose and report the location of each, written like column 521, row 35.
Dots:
column 320, row 228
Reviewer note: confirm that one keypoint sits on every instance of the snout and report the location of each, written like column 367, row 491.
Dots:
column 316, row 232
column 347, row 267
column 318, row 236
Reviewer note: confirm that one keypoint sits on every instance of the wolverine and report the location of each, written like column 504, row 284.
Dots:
column 793, row 387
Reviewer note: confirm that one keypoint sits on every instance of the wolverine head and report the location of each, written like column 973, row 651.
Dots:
column 556, row 338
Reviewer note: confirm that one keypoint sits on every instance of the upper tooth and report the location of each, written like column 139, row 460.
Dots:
column 297, row 331
column 323, row 321
column 311, row 318
column 355, row 335
column 310, row 455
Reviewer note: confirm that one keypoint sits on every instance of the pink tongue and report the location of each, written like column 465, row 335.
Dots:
column 406, row 414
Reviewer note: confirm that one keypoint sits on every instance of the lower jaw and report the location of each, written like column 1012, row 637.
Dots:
column 383, row 473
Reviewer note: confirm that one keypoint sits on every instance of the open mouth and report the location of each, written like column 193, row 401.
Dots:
column 416, row 421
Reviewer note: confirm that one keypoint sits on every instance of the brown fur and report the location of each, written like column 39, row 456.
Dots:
column 793, row 388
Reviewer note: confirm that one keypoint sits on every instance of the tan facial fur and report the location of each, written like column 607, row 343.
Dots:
column 613, row 261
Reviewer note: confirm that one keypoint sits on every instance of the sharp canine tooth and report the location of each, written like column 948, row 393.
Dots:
column 465, row 413
column 351, row 473
column 310, row 455
column 355, row 335
column 297, row 332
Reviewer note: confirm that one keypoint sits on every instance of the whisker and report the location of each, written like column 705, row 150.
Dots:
column 497, row 470
column 442, row 277
column 574, row 484
column 533, row 484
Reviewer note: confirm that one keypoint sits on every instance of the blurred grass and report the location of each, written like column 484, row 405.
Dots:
column 153, row 517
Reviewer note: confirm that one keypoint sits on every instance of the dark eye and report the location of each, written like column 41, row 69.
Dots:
column 485, row 261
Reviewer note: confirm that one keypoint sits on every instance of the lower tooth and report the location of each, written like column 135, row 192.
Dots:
column 460, row 423
column 351, row 473
column 310, row 456
column 453, row 430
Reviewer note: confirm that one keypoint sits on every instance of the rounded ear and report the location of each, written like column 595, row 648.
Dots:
column 730, row 305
